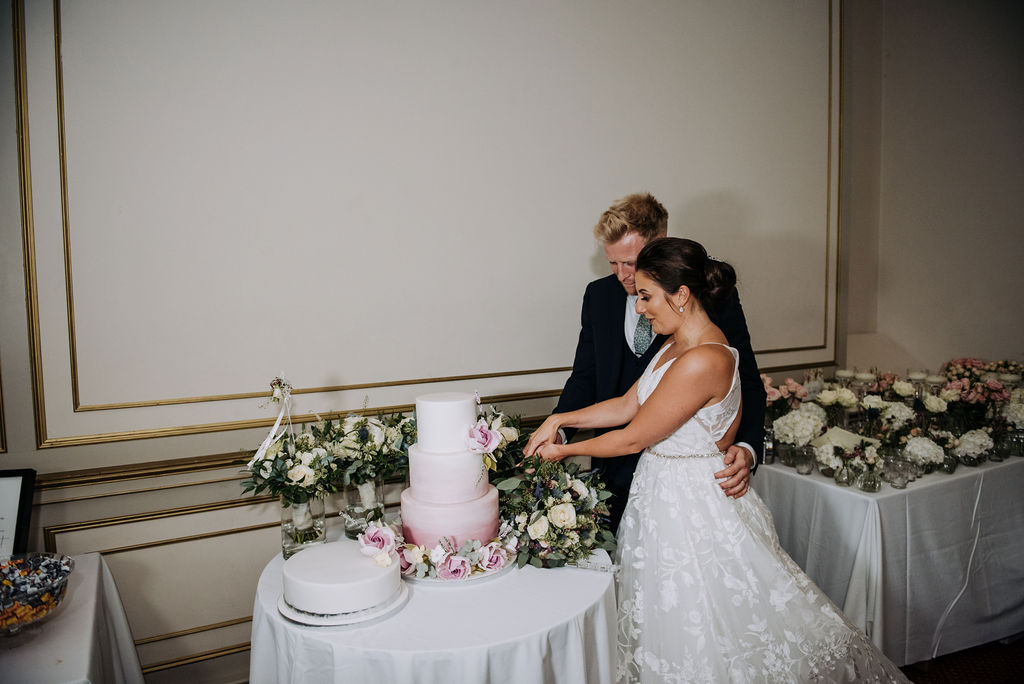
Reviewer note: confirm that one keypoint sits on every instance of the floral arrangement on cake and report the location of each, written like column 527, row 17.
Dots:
column 556, row 514
column 495, row 436
column 385, row 543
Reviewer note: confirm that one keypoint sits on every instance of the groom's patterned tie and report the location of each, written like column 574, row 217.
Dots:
column 642, row 337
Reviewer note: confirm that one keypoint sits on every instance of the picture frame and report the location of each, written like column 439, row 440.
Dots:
column 16, row 490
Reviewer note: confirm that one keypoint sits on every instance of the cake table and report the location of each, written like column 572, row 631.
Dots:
column 524, row 625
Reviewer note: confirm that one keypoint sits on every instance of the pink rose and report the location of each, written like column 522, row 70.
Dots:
column 767, row 380
column 453, row 568
column 784, row 391
column 376, row 539
column 492, row 557
column 773, row 394
column 482, row 440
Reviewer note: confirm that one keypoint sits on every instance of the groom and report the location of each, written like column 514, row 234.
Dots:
column 616, row 344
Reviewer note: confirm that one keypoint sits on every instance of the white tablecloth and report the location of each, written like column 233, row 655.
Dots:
column 527, row 625
column 86, row 640
column 931, row 569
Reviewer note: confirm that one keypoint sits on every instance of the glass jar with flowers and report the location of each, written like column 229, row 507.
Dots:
column 300, row 472
column 296, row 469
column 972, row 447
column 369, row 450
column 796, row 429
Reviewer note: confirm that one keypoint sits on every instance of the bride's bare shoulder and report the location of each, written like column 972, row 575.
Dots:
column 706, row 360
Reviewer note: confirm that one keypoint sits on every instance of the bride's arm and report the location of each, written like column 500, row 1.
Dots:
column 696, row 379
column 608, row 413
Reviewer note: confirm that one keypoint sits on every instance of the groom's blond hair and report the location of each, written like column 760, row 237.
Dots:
column 638, row 213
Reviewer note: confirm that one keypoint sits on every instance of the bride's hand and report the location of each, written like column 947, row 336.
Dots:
column 547, row 433
column 551, row 452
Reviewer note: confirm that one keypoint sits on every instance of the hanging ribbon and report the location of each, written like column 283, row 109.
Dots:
column 282, row 394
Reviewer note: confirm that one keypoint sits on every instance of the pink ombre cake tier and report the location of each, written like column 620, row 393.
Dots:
column 446, row 478
column 425, row 523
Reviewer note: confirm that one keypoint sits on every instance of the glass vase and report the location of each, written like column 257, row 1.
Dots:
column 803, row 460
column 769, row 445
column 786, row 453
column 845, row 476
column 949, row 464
column 303, row 524
column 364, row 503
column 869, row 481
column 971, row 460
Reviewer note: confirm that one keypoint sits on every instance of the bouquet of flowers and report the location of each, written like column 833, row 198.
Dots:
column 367, row 447
column 862, row 457
column 782, row 399
column 1014, row 414
column 836, row 400
column 800, row 426
column 295, row 467
column 555, row 513
column 924, row 451
column 972, row 444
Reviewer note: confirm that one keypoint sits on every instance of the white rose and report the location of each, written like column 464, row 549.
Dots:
column 305, row 457
column 496, row 423
column 302, row 475
column 538, row 528
column 563, row 515
column 949, row 395
column 846, row 397
column 305, row 441
column 827, row 397
column 509, row 433
column 580, row 487
column 873, row 401
column 382, row 559
column 934, row 404
column 903, row 388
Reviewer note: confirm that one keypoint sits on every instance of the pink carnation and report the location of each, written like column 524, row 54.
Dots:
column 453, row 568
column 482, row 440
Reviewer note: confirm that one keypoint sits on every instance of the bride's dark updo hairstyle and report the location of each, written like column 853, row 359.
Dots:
column 673, row 262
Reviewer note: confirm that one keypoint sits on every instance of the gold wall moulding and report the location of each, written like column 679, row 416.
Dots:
column 205, row 428
column 193, row 630
column 195, row 658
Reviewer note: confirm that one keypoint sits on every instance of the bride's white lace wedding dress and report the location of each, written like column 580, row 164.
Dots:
column 706, row 593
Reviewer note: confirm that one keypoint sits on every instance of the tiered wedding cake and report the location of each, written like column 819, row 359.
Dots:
column 449, row 495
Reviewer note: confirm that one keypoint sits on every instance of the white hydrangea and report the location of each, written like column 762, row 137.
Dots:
column 922, row 450
column 815, row 410
column 973, row 443
column 1014, row 413
column 897, row 414
column 800, row 426
column 827, row 457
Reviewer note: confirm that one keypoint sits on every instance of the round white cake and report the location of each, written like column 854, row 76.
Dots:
column 335, row 578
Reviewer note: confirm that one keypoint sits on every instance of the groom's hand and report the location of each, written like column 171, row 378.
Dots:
column 738, row 462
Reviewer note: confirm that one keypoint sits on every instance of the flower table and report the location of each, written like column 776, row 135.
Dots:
column 924, row 571
column 525, row 625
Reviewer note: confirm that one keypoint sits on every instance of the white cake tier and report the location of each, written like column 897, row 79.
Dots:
column 426, row 523
column 443, row 421
column 338, row 578
column 446, row 478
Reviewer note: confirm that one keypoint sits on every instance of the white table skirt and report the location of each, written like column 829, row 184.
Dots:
column 527, row 625
column 87, row 639
column 931, row 569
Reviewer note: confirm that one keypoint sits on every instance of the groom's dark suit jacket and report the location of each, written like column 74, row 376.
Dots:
column 604, row 367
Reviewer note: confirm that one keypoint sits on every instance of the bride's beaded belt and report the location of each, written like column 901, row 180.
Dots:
column 713, row 454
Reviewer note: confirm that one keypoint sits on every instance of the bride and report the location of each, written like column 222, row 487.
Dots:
column 706, row 593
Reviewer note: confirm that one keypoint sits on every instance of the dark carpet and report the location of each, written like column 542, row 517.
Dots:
column 994, row 663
